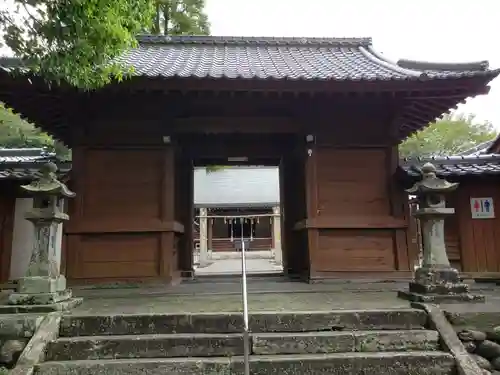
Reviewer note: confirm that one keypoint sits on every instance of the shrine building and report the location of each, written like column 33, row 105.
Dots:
column 329, row 112
column 472, row 234
column 229, row 194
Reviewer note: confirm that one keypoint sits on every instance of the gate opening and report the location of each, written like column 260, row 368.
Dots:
column 231, row 203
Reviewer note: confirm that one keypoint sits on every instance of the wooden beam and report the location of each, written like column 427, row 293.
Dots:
column 347, row 86
column 351, row 222
column 235, row 125
column 131, row 226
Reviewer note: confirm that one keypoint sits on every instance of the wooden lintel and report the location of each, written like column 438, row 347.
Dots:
column 235, row 125
column 351, row 222
column 105, row 226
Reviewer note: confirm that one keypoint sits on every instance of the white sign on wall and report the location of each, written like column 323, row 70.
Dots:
column 482, row 208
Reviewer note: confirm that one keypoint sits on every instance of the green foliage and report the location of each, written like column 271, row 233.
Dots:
column 180, row 17
column 17, row 133
column 449, row 135
column 75, row 40
column 214, row 168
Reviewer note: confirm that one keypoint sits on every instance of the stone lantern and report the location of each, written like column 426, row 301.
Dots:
column 435, row 280
column 43, row 283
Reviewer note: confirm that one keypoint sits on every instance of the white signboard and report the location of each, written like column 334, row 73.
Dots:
column 482, row 208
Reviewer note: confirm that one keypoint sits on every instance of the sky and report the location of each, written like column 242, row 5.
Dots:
column 428, row 30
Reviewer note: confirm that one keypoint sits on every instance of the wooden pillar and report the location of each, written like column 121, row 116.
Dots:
column 284, row 243
column 7, row 210
column 276, row 234
column 203, row 237
column 289, row 210
column 78, row 175
column 167, row 213
column 311, row 190
column 399, row 208
column 185, row 212
column 210, row 234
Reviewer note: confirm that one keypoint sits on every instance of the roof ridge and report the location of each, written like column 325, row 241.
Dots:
column 419, row 68
column 249, row 40
column 378, row 58
column 481, row 148
column 452, row 159
column 482, row 65
column 32, row 151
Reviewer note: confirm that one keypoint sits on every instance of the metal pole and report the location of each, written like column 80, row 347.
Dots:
column 246, row 335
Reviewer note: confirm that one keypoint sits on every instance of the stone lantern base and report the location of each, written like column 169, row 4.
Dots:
column 39, row 293
column 439, row 285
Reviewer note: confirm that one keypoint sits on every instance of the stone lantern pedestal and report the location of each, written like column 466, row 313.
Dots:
column 435, row 281
column 44, row 285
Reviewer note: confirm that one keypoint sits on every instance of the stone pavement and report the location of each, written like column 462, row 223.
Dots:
column 264, row 254
column 224, row 294
column 265, row 294
column 232, row 266
column 272, row 302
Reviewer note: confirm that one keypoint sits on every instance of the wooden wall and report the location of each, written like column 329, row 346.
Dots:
column 341, row 211
column 122, row 220
column 7, row 207
column 357, row 217
column 473, row 245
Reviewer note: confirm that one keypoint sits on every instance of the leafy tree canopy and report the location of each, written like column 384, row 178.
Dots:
column 449, row 135
column 76, row 40
column 180, row 17
column 17, row 133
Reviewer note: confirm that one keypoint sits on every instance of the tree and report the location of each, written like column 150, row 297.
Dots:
column 180, row 17
column 77, row 41
column 74, row 40
column 449, row 135
column 17, row 133
column 214, row 168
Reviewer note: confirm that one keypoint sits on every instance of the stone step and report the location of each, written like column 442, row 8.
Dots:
column 137, row 324
column 145, row 346
column 213, row 345
column 19, row 325
column 340, row 342
column 414, row 363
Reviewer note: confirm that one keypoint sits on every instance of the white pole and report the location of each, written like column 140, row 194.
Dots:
column 246, row 335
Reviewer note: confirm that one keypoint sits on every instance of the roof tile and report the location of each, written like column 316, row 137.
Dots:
column 337, row 59
column 456, row 166
column 321, row 59
column 25, row 163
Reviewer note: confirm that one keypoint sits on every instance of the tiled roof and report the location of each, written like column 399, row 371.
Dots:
column 19, row 155
column 478, row 150
column 236, row 186
column 456, row 166
column 325, row 59
column 25, row 163
column 336, row 59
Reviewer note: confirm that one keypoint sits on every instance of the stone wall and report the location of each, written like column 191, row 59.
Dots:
column 15, row 332
column 480, row 335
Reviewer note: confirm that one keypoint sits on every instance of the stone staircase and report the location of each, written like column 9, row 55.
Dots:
column 337, row 342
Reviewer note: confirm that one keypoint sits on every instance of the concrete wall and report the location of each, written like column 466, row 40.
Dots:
column 23, row 238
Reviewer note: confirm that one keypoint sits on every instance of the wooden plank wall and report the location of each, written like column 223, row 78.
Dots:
column 362, row 219
column 7, row 207
column 117, row 228
column 473, row 245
